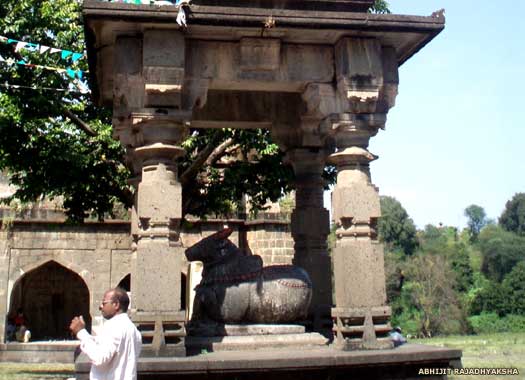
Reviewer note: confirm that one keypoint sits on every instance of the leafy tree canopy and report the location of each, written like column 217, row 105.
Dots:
column 477, row 219
column 515, row 282
column 513, row 217
column 54, row 143
column 501, row 251
column 395, row 227
column 57, row 144
column 380, row 6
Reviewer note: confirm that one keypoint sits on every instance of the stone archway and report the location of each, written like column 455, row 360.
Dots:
column 51, row 295
column 125, row 283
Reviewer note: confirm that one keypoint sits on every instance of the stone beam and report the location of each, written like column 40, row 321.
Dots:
column 259, row 64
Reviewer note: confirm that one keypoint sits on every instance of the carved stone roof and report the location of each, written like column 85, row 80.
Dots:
column 318, row 22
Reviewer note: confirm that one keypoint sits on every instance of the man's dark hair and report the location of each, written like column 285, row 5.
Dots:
column 121, row 296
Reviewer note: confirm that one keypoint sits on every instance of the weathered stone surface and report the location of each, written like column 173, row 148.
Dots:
column 363, row 287
column 156, row 276
column 50, row 352
column 317, row 363
column 256, row 342
column 356, row 201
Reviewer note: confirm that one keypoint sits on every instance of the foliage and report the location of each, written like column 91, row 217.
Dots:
column 486, row 323
column 513, row 217
column 44, row 152
column 428, row 297
column 477, row 219
column 491, row 298
column 460, row 265
column 501, row 251
column 58, row 144
column 515, row 283
column 507, row 297
column 380, row 6
column 395, row 227
column 394, row 276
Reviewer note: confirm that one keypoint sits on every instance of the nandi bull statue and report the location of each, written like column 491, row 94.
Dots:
column 236, row 288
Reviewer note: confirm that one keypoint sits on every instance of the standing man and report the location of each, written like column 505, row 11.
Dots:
column 115, row 350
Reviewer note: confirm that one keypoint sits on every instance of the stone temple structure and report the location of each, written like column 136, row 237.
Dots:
column 320, row 74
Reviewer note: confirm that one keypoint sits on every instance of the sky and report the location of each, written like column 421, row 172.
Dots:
column 456, row 135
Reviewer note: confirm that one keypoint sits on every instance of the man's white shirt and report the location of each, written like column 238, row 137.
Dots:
column 114, row 351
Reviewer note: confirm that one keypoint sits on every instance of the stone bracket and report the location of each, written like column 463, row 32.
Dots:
column 366, row 74
column 163, row 86
column 163, row 68
column 163, row 334
column 362, row 328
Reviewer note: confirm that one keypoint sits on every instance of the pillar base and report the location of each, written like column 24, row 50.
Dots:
column 362, row 328
column 163, row 333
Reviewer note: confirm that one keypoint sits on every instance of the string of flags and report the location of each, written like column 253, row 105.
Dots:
column 17, row 87
column 72, row 73
column 42, row 49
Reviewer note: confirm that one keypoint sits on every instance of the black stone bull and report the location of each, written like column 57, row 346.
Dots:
column 236, row 288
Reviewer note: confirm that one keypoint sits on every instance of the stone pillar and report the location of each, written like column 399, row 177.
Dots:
column 157, row 247
column 5, row 258
column 361, row 315
column 367, row 79
column 150, row 121
column 310, row 223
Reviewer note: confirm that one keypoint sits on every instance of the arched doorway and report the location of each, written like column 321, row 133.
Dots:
column 125, row 283
column 50, row 296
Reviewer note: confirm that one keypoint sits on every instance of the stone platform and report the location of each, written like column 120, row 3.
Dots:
column 403, row 362
column 39, row 352
column 254, row 342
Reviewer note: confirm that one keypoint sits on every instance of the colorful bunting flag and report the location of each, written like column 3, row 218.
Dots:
column 22, row 45
column 72, row 73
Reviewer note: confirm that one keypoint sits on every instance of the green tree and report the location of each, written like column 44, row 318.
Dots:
column 492, row 298
column 58, row 144
column 395, row 227
column 515, row 283
column 428, row 304
column 54, row 143
column 513, row 217
column 380, row 6
column 501, row 251
column 477, row 219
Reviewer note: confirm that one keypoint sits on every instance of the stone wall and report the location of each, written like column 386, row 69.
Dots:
column 55, row 264
column 271, row 240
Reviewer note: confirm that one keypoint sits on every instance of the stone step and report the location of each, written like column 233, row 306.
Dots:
column 253, row 342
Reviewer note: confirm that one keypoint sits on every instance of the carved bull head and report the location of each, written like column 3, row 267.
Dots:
column 214, row 248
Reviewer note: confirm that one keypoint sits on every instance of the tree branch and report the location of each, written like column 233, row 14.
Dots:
column 201, row 158
column 219, row 151
column 79, row 123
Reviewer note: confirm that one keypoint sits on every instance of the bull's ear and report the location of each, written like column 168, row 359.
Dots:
column 224, row 234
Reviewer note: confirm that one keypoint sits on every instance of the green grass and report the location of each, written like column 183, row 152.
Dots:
column 503, row 350
column 32, row 371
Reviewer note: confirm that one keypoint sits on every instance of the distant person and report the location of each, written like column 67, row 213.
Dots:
column 115, row 350
column 397, row 338
column 22, row 333
column 10, row 329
